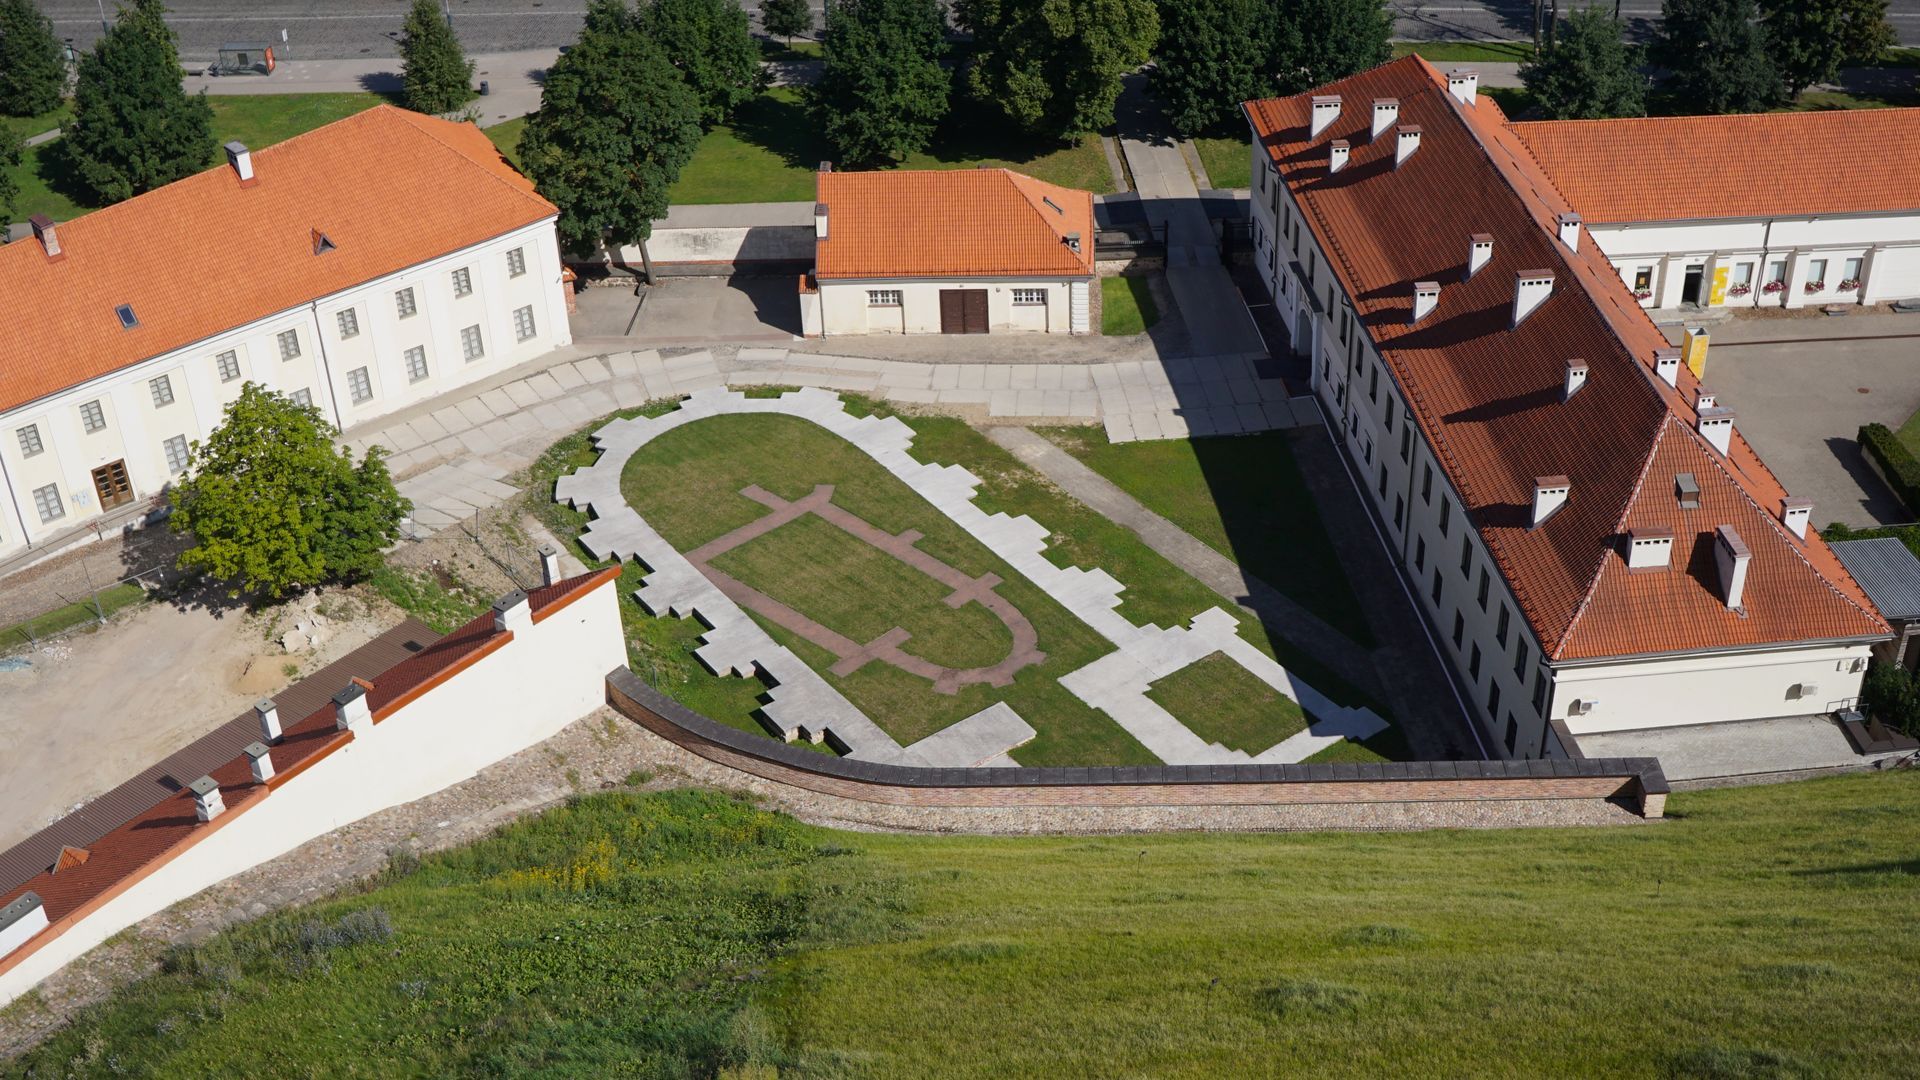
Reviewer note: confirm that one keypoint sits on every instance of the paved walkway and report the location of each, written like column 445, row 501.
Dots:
column 513, row 80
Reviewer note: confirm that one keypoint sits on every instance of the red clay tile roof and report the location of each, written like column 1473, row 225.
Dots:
column 1676, row 168
column 390, row 188
column 956, row 223
column 1487, row 396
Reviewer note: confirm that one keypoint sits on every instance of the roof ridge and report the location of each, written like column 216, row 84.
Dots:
column 1823, row 115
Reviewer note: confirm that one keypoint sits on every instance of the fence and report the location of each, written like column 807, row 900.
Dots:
column 79, row 611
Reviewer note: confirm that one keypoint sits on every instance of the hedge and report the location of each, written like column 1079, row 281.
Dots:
column 1896, row 462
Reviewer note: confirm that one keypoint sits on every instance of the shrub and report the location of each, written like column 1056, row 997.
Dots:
column 1890, row 694
column 1896, row 462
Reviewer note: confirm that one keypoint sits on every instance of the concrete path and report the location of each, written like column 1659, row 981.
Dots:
column 513, row 80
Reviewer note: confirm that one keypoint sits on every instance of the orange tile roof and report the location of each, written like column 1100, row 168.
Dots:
column 1677, row 168
column 390, row 188
column 951, row 223
column 1487, row 396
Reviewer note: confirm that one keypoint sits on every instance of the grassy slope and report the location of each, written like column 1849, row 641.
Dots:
column 1225, row 703
column 1126, row 306
column 1759, row 932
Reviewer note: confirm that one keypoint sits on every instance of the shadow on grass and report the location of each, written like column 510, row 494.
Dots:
column 387, row 84
column 57, row 169
column 778, row 122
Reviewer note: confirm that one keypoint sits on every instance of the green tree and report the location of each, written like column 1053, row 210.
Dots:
column 1717, row 53
column 1891, row 696
column 1054, row 66
column 33, row 64
column 1212, row 55
column 438, row 76
column 1318, row 41
column 133, row 128
column 616, row 123
column 273, row 505
column 786, row 18
column 12, row 148
column 1586, row 72
column 1811, row 40
column 882, row 91
column 711, row 44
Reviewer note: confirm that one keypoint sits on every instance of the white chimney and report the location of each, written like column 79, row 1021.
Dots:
column 1649, row 549
column 1570, row 231
column 1530, row 289
column 1326, row 109
column 269, row 716
column 1705, row 400
column 260, row 761
column 1730, row 554
column 1464, row 85
column 1717, row 425
column 819, row 221
column 350, row 710
column 1426, row 297
column 241, row 159
column 1666, row 364
column 1337, row 153
column 1406, row 144
column 549, row 564
column 1549, row 494
column 44, row 231
column 1386, row 112
column 1479, row 252
column 512, row 612
column 1795, row 514
column 20, row 919
column 207, row 803
column 1576, row 378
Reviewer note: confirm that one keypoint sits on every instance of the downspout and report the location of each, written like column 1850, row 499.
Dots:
column 326, row 368
column 13, row 496
column 1766, row 254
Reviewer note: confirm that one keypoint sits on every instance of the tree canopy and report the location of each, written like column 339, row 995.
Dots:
column 11, row 151
column 711, row 44
column 1213, row 54
column 1318, row 41
column 616, row 124
column 882, row 91
column 1716, row 51
column 1586, row 72
column 134, row 128
column 437, row 75
column 785, row 18
column 1811, row 40
column 1054, row 66
column 274, row 506
column 33, row 63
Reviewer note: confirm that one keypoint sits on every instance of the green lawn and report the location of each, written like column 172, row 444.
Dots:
column 1225, row 703
column 506, row 136
column 25, row 126
column 48, row 185
column 1243, row 497
column 111, row 599
column 1468, row 52
column 1759, row 932
column 1228, row 160
column 1126, row 306
column 1909, row 433
column 779, row 50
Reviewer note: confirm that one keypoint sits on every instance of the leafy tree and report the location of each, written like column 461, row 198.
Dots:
column 133, row 128
column 616, row 123
column 709, row 41
column 882, row 92
column 1213, row 54
column 1810, row 40
column 12, row 147
column 1892, row 696
column 1318, row 41
column 1586, row 72
column 437, row 74
column 1717, row 53
column 786, row 18
column 273, row 505
column 33, row 64
column 1054, row 66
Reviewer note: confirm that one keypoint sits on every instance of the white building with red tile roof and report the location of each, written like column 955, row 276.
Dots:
column 1590, row 538
column 362, row 266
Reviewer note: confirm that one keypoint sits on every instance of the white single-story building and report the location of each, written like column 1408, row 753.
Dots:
column 969, row 251
column 362, row 267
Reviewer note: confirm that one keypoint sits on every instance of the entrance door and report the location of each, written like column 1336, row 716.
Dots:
column 963, row 311
column 1690, row 288
column 111, row 484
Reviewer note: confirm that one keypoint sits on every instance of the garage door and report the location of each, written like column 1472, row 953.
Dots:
column 963, row 311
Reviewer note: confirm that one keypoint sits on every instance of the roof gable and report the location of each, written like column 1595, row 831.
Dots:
column 951, row 223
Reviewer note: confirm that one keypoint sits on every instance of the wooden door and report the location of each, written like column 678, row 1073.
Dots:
column 963, row 311
column 111, row 484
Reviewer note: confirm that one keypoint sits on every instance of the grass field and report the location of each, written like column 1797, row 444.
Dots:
column 506, row 136
column 1126, row 306
column 1759, row 932
column 1225, row 703
column 1467, row 52
column 1228, row 160
column 112, row 599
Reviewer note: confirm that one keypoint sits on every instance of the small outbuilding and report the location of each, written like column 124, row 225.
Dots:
column 969, row 251
column 1890, row 574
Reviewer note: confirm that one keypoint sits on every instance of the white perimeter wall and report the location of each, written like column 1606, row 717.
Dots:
column 844, row 308
column 521, row 694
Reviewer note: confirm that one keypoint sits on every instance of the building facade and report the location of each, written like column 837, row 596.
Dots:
column 361, row 267
column 1592, row 544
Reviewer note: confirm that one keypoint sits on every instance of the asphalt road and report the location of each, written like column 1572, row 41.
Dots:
column 322, row 30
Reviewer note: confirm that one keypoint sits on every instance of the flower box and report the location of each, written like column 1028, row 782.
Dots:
column 1739, row 290
column 1816, row 286
column 1772, row 287
column 1643, row 294
column 1849, row 285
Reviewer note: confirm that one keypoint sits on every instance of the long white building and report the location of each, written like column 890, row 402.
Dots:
column 362, row 266
column 1591, row 540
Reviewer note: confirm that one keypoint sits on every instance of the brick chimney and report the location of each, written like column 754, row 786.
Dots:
column 1386, row 113
column 1795, row 515
column 1326, row 109
column 512, row 612
column 1426, row 297
column 260, row 761
column 1479, row 252
column 1337, row 153
column 1464, row 85
column 1549, row 494
column 1730, row 556
column 1576, row 378
column 268, row 714
column 207, row 803
column 1407, row 142
column 1530, row 289
column 45, row 232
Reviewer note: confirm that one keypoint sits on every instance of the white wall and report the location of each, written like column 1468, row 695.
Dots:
column 1692, row 690
column 1887, row 244
column 844, row 307
column 724, row 246
column 521, row 694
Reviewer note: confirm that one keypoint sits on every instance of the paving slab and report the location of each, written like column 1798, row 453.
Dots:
column 451, row 419
column 474, row 410
column 545, row 385
column 521, row 394
column 566, row 377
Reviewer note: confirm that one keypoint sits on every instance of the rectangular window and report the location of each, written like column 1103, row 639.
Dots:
column 523, row 323
column 1851, row 272
column 1391, row 402
column 1500, row 628
column 1459, row 628
column 1540, row 692
column 228, row 364
column 1029, row 297
column 176, row 450
column 349, row 321
column 30, row 440
column 1521, row 655
column 1513, row 732
column 1426, row 483
column 1493, row 701
column 1466, row 556
column 516, row 262
column 1406, row 443
column 1485, row 580
column 1373, row 385
column 1420, row 555
column 1399, row 511
column 303, row 397
column 1643, row 279
column 1383, row 479
column 289, row 344
column 162, row 391
column 1743, row 274
column 92, row 417
column 1817, row 272
column 1446, row 514
column 416, row 363
column 883, row 297
column 1777, row 272
column 462, row 281
column 403, row 301
column 360, row 385
column 1436, row 586
column 1473, row 664
column 470, row 344
column 47, row 501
